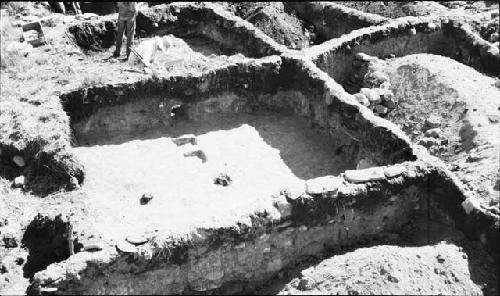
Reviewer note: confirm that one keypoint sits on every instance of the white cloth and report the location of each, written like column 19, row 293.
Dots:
column 150, row 49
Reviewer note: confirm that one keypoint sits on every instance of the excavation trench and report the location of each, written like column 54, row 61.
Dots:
column 266, row 179
column 402, row 37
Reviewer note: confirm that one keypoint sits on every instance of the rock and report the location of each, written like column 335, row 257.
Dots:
column 394, row 170
column 432, row 122
column 145, row 198
column 365, row 163
column 284, row 207
column 365, row 175
column 494, row 37
column 136, row 239
column 440, row 258
column 431, row 26
column 93, row 247
column 305, row 284
column 361, row 98
column 470, row 204
column 323, row 185
column 376, row 78
column 428, row 142
column 68, row 19
column 20, row 260
column 9, row 241
column 185, row 139
column 380, row 109
column 73, row 183
column 126, row 247
column 473, row 157
column 19, row 161
column 223, row 180
column 371, row 95
column 433, row 133
column 19, row 181
column 364, row 57
column 412, row 31
column 198, row 153
column 3, row 269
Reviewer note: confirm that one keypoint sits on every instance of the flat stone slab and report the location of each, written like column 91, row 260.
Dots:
column 323, row 184
column 394, row 170
column 365, row 175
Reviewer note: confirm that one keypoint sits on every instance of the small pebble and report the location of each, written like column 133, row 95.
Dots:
column 440, row 258
column 145, row 198
column 413, row 31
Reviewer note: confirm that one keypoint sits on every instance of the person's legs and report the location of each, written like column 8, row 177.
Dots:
column 130, row 34
column 119, row 36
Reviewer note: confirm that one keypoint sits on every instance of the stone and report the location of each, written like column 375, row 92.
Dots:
column 364, row 164
column 377, row 77
column 433, row 133
column 284, row 207
column 19, row 161
column 494, row 37
column 470, row 204
column 371, row 95
column 9, row 241
column 145, row 198
column 431, row 26
column 19, row 181
column 364, row 57
column 198, row 153
column 185, row 139
column 322, row 185
column 440, row 258
column 412, row 31
column 365, row 175
column 223, row 180
column 3, row 269
column 362, row 99
column 394, row 170
column 136, row 239
column 432, row 122
column 73, row 183
column 93, row 247
column 380, row 109
column 126, row 247
column 428, row 142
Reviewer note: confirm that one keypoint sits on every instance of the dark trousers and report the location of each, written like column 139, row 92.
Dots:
column 128, row 27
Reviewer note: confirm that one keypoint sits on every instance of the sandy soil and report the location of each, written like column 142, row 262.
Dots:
column 383, row 270
column 468, row 110
column 261, row 153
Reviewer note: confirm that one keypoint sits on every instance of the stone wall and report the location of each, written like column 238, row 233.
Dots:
column 327, row 214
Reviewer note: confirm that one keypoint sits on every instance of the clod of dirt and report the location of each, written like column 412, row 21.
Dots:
column 145, row 198
column 198, row 153
column 9, row 241
column 223, row 180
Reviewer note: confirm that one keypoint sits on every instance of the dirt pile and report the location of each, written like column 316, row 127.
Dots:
column 271, row 18
column 395, row 9
column 383, row 270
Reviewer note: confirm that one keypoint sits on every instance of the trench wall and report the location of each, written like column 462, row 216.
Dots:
column 183, row 19
column 332, row 20
column 238, row 259
column 439, row 36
